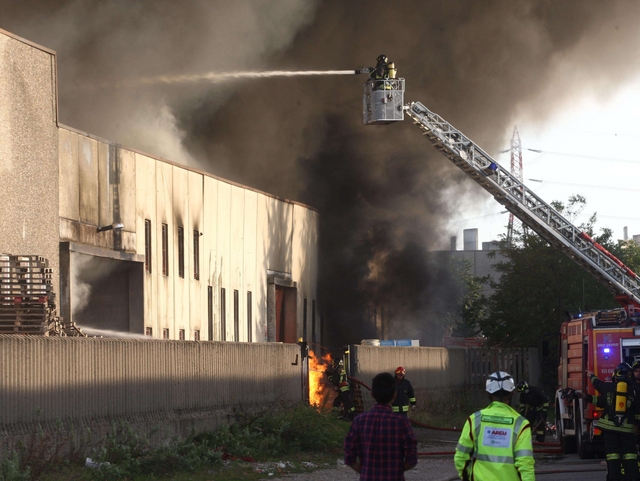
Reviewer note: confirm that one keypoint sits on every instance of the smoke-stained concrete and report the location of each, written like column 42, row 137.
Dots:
column 383, row 193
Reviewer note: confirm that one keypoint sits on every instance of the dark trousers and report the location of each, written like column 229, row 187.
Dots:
column 538, row 422
column 344, row 399
column 621, row 453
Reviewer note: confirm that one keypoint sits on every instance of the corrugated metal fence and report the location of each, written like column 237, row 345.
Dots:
column 96, row 381
column 189, row 386
column 453, row 375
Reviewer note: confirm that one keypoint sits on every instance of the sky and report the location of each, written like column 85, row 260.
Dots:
column 589, row 150
column 562, row 72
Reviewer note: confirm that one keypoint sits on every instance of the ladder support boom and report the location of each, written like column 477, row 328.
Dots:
column 530, row 209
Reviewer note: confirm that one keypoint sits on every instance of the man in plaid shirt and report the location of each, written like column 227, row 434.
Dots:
column 381, row 444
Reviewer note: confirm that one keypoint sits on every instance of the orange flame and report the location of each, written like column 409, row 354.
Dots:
column 319, row 391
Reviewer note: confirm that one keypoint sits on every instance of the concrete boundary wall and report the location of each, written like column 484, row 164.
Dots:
column 453, row 375
column 182, row 385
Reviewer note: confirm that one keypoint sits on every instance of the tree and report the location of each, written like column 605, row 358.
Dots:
column 539, row 285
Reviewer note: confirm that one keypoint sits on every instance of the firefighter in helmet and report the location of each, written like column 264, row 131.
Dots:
column 618, row 421
column 405, row 396
column 337, row 376
column 382, row 72
column 534, row 405
column 495, row 443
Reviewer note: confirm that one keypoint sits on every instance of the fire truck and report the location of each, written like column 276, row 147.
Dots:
column 597, row 341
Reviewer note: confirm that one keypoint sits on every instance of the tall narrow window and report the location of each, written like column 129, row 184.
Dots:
column 313, row 322
column 196, row 335
column 236, row 315
column 181, row 251
column 181, row 334
column 223, row 314
column 249, row 321
column 165, row 250
column 210, row 311
column 148, row 331
column 165, row 334
column 147, row 245
column 304, row 319
column 196, row 255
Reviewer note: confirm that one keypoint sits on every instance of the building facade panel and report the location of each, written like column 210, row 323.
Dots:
column 146, row 219
column 198, row 291
column 106, row 153
column 263, row 302
column 122, row 193
column 209, row 324
column 163, row 246
column 304, row 242
column 181, row 275
column 221, row 294
column 88, row 179
column 68, row 179
column 29, row 160
column 254, row 281
column 236, row 260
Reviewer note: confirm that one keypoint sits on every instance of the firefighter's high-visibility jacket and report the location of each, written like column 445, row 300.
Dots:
column 404, row 396
column 495, row 444
column 607, row 400
column 338, row 377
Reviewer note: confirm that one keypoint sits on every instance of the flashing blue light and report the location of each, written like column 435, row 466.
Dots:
column 607, row 350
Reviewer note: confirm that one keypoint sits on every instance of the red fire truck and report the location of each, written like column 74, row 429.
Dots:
column 597, row 341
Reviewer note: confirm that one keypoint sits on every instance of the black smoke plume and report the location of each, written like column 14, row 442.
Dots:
column 383, row 193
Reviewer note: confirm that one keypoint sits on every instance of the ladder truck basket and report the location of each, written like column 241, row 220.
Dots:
column 383, row 101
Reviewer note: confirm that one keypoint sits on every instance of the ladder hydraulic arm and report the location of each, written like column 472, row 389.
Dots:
column 528, row 207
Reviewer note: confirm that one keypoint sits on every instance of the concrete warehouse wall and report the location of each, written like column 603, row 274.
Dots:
column 246, row 237
column 59, row 185
column 28, row 151
column 440, row 374
column 180, row 385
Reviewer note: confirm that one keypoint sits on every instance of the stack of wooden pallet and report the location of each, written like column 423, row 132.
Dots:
column 27, row 300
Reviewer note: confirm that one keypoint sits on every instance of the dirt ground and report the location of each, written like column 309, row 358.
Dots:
column 429, row 468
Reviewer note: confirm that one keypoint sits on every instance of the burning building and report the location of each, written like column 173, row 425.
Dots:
column 138, row 244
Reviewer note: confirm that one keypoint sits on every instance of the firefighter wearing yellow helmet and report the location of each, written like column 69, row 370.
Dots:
column 496, row 441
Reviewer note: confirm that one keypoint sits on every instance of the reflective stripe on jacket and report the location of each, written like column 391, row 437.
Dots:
column 607, row 399
column 495, row 444
column 404, row 396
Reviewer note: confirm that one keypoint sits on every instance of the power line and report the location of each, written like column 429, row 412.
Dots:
column 616, row 188
column 593, row 157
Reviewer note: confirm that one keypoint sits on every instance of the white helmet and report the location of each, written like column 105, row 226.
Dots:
column 500, row 381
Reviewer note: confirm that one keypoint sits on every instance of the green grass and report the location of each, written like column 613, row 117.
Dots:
column 446, row 413
column 296, row 439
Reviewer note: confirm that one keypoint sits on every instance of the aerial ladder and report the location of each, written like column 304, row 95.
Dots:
column 383, row 104
column 598, row 342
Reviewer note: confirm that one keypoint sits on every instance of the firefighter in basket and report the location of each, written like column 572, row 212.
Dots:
column 534, row 406
column 382, row 73
column 618, row 421
column 337, row 376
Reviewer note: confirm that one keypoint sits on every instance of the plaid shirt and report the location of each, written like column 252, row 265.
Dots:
column 383, row 441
